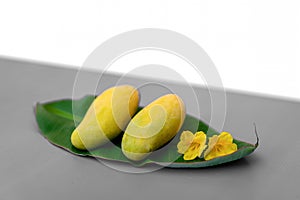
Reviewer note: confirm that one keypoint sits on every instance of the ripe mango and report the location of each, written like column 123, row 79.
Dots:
column 153, row 126
column 107, row 116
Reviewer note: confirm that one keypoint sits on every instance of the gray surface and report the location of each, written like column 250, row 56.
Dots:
column 31, row 168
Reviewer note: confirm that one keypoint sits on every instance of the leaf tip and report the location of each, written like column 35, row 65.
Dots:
column 256, row 134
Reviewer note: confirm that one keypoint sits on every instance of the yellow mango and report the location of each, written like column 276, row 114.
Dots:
column 107, row 116
column 153, row 126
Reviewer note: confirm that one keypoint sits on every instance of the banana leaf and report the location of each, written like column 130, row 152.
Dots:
column 57, row 120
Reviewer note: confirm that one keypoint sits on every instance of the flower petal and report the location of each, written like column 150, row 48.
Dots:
column 197, row 146
column 225, row 137
column 220, row 145
column 192, row 152
column 186, row 139
column 200, row 138
column 201, row 149
column 211, row 155
column 187, row 136
column 212, row 141
column 228, row 149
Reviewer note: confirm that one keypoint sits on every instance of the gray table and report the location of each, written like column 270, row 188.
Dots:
column 31, row 168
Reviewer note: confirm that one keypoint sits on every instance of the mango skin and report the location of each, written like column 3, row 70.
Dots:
column 153, row 126
column 107, row 116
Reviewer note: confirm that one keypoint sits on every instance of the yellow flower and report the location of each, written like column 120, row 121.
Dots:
column 220, row 145
column 191, row 145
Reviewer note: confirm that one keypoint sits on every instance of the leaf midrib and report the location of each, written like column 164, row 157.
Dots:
column 62, row 113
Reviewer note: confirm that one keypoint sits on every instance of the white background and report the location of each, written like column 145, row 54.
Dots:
column 255, row 44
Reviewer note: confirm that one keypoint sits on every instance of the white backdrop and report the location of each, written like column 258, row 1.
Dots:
column 255, row 44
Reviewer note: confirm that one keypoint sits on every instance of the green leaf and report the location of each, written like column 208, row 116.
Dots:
column 58, row 119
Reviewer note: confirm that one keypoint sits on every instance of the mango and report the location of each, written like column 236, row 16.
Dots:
column 152, row 127
column 107, row 116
